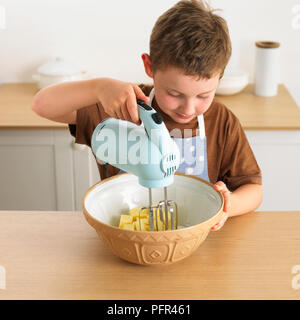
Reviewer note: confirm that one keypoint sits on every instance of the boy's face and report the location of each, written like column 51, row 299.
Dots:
column 180, row 96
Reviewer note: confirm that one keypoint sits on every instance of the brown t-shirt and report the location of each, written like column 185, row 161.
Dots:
column 229, row 156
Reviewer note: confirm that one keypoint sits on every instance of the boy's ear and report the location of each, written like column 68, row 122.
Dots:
column 147, row 64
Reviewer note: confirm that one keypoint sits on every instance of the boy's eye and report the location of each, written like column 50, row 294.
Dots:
column 202, row 97
column 173, row 94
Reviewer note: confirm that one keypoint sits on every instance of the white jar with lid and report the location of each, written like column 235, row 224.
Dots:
column 266, row 75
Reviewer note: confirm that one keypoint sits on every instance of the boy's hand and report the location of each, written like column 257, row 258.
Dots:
column 221, row 186
column 118, row 99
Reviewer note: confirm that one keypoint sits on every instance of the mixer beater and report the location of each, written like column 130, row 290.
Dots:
column 163, row 216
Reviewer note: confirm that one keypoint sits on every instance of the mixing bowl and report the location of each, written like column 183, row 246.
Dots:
column 199, row 208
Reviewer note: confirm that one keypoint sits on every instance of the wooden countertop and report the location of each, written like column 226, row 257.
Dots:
column 15, row 108
column 264, row 113
column 278, row 113
column 57, row 255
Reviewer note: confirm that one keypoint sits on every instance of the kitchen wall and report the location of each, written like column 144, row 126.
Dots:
column 106, row 38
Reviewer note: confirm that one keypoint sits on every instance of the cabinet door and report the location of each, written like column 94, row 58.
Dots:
column 278, row 155
column 86, row 172
column 36, row 170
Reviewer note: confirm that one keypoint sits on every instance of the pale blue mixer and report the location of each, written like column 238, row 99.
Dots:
column 146, row 151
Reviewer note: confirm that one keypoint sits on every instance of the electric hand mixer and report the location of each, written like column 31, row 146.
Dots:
column 146, row 151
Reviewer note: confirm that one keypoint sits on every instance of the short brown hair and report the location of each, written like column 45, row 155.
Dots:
column 191, row 37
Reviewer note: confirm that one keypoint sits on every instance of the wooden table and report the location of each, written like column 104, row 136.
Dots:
column 57, row 255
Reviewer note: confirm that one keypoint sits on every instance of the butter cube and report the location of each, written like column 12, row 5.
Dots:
column 135, row 213
column 158, row 224
column 125, row 219
column 141, row 224
column 162, row 224
column 145, row 227
column 128, row 226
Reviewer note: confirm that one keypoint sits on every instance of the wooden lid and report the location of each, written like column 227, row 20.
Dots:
column 267, row 44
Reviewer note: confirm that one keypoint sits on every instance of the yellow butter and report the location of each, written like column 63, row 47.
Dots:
column 125, row 219
column 142, row 224
column 128, row 226
column 135, row 213
column 137, row 220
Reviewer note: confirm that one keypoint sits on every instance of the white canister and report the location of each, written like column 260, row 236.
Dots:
column 266, row 75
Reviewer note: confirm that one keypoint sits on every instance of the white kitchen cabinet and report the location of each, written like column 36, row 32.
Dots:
column 86, row 172
column 43, row 170
column 278, row 155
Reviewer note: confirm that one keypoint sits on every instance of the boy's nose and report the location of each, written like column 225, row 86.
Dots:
column 188, row 109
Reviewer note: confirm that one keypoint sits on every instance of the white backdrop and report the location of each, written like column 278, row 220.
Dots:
column 107, row 38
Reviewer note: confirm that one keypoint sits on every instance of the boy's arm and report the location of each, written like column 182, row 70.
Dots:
column 245, row 199
column 60, row 102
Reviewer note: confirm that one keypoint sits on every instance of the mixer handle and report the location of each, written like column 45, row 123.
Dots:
column 154, row 125
column 146, row 113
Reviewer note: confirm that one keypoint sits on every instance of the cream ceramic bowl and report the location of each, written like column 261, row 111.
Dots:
column 199, row 208
column 232, row 82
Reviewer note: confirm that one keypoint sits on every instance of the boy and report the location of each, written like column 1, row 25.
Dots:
column 189, row 50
